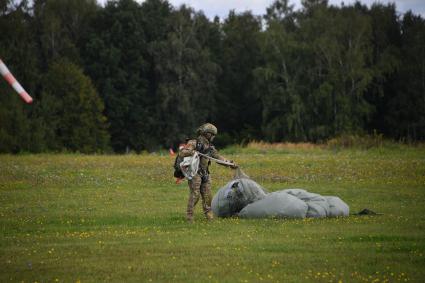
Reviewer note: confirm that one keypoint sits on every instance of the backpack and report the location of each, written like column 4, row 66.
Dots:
column 177, row 170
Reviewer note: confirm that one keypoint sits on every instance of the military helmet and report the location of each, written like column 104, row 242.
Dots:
column 207, row 128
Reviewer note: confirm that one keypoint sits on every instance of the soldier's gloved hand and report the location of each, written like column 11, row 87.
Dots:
column 234, row 166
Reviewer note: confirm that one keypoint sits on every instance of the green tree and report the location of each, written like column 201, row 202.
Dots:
column 406, row 110
column 239, row 107
column 386, row 60
column 280, row 79
column 187, row 77
column 18, row 50
column 114, row 59
column 156, row 24
column 61, row 28
column 72, row 110
column 342, row 52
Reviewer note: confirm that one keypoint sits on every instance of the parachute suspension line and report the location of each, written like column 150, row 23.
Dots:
column 216, row 160
column 7, row 75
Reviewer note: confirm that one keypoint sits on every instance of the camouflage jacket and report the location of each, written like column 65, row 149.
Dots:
column 202, row 145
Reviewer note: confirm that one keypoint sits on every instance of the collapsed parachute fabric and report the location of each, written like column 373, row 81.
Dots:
column 245, row 198
column 235, row 195
column 189, row 165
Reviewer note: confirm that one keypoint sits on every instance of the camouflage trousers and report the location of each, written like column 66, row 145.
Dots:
column 199, row 188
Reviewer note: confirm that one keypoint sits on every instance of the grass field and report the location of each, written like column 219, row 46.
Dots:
column 77, row 218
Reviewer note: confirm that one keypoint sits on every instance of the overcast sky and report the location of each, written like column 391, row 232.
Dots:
column 258, row 7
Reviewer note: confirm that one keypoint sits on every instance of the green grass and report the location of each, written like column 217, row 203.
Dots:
column 76, row 218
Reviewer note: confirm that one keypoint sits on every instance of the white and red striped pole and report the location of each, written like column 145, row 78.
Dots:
column 7, row 75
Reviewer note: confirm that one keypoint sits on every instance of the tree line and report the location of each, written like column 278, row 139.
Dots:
column 130, row 76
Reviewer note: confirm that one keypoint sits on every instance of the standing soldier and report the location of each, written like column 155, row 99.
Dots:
column 201, row 183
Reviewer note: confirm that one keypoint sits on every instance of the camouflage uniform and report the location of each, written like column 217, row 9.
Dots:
column 200, row 185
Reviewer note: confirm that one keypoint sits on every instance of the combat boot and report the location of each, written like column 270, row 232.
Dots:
column 189, row 219
column 209, row 215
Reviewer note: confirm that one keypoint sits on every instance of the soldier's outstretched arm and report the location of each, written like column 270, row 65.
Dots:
column 216, row 155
